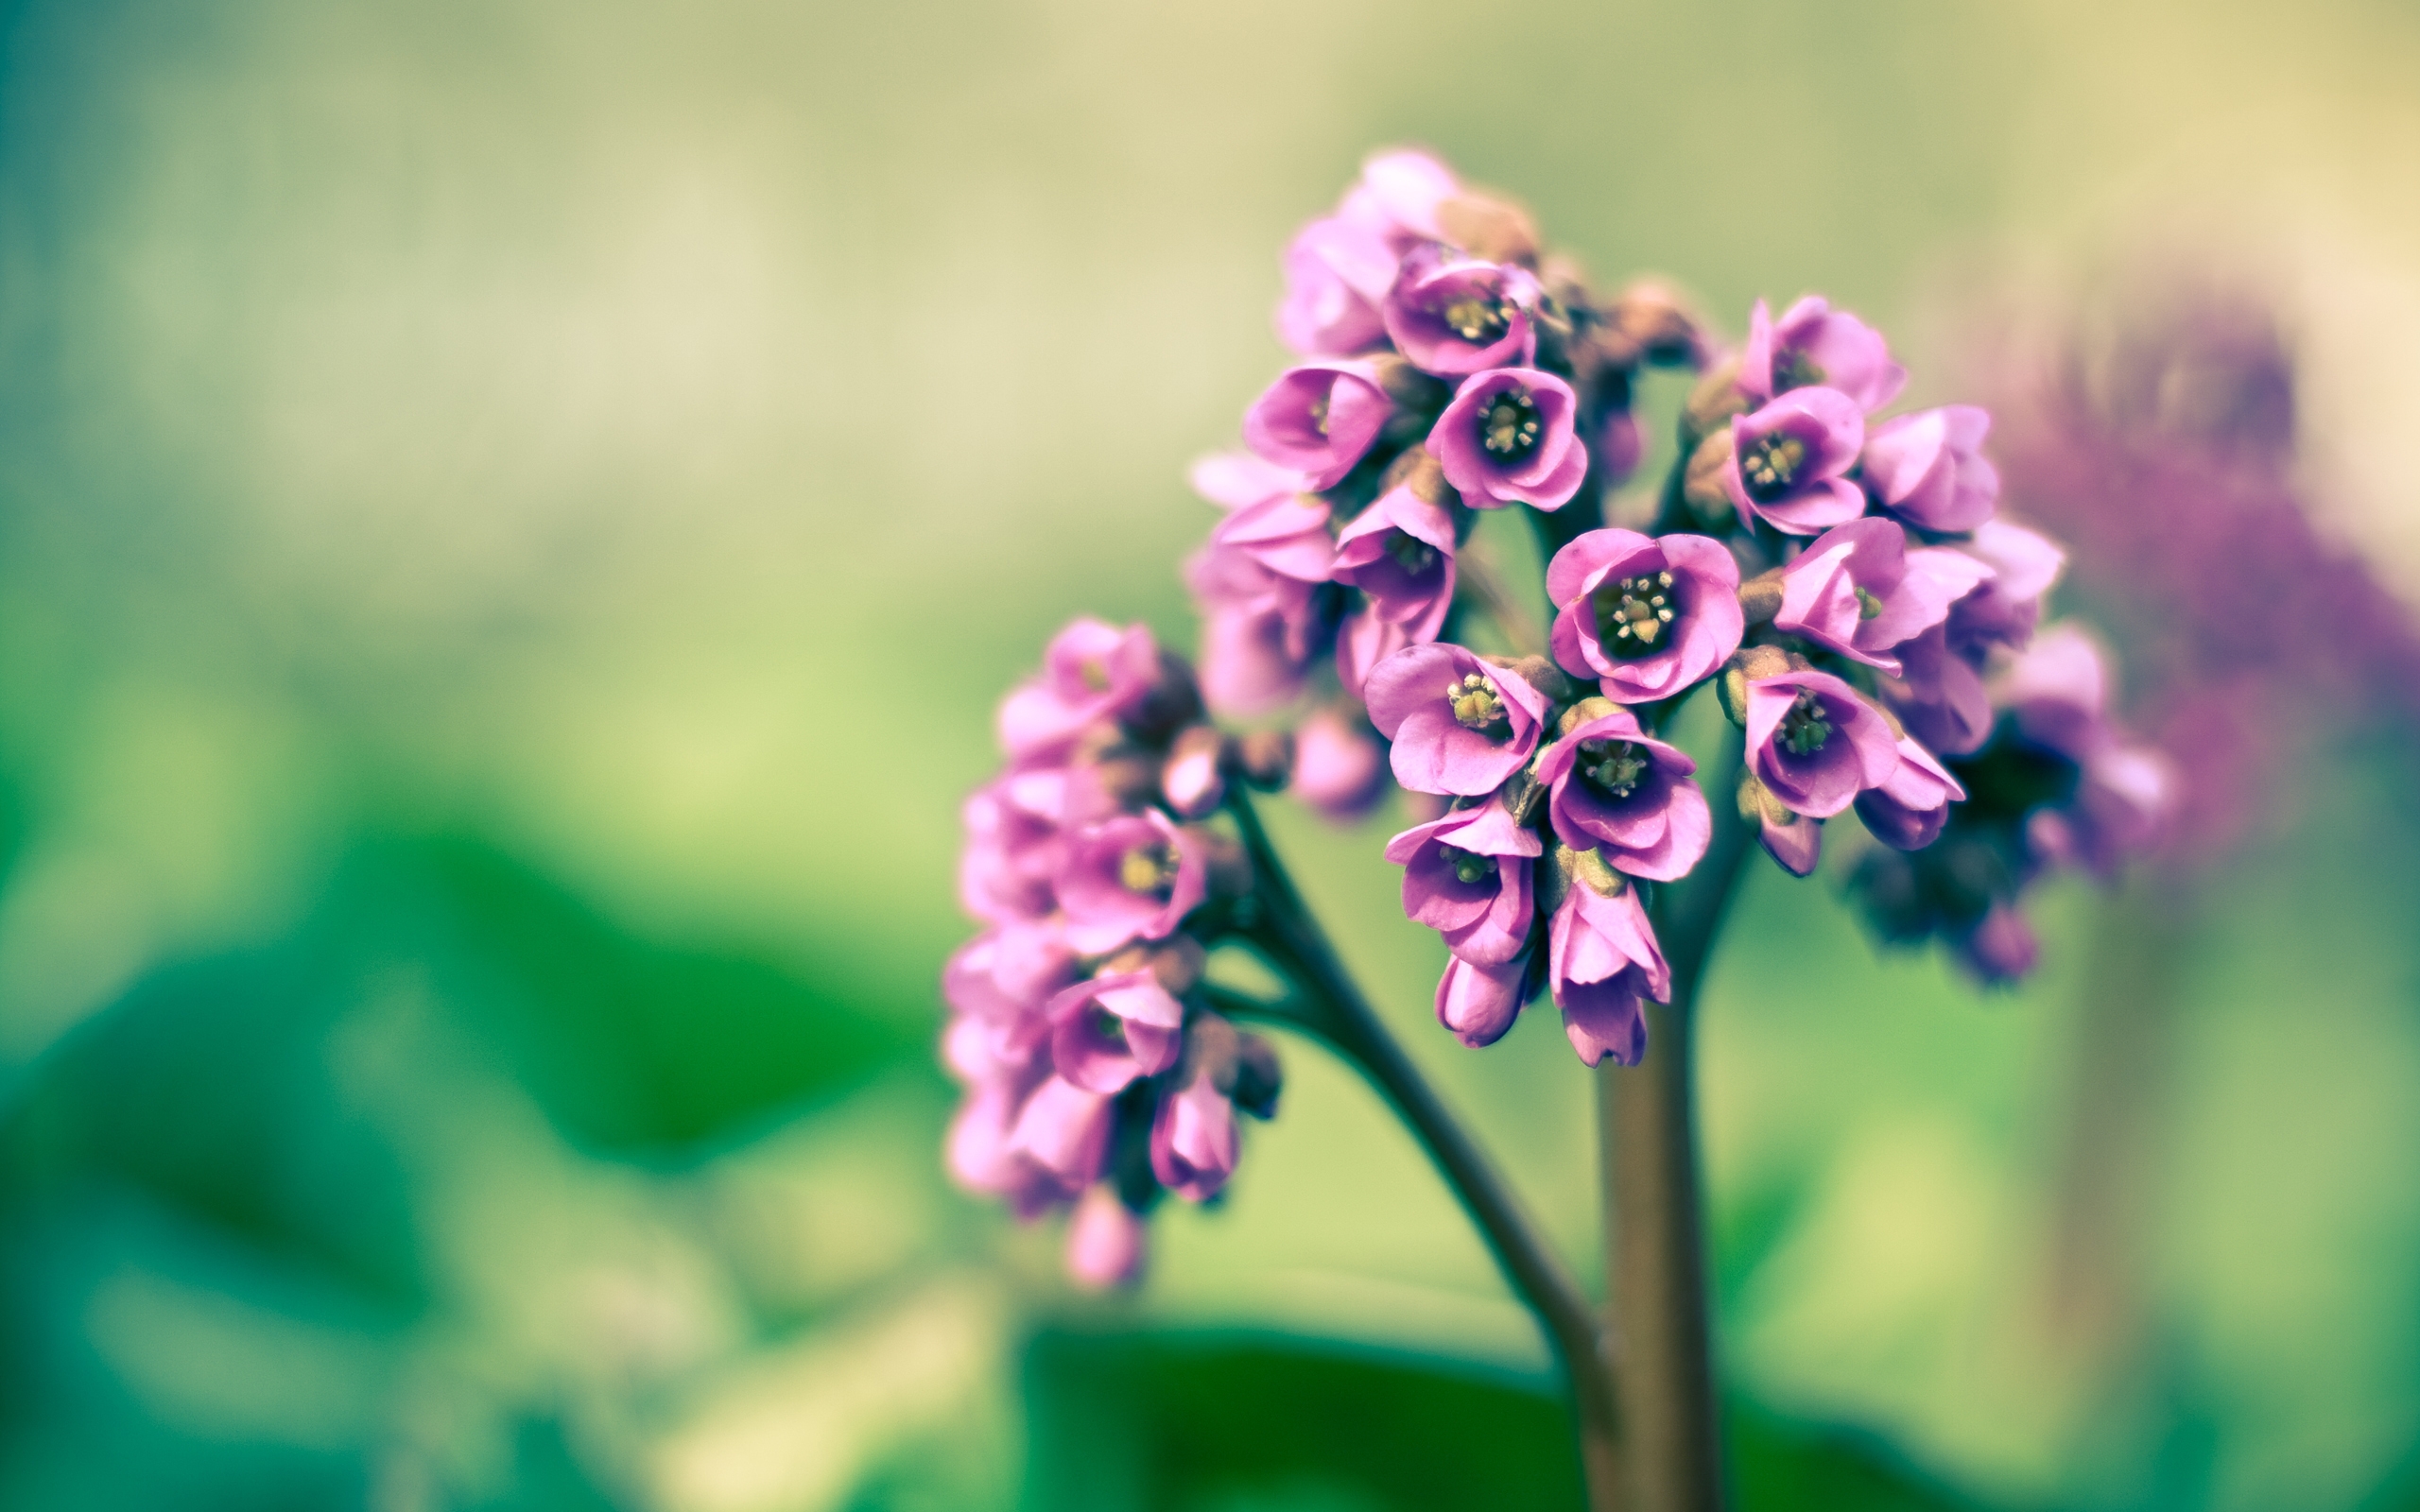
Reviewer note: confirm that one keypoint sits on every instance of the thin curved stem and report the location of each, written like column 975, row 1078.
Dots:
column 1656, row 1246
column 1331, row 1005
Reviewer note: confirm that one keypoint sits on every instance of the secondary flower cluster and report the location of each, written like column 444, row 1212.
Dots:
column 1094, row 1074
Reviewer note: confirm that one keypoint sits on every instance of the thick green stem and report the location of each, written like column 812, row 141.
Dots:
column 1330, row 1005
column 1655, row 1243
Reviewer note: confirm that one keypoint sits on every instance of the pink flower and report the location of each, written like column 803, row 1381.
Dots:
column 1794, row 841
column 1113, row 1030
column 1479, row 1002
column 1508, row 438
column 1286, row 535
column 1400, row 552
column 2003, row 609
column 1135, row 876
column 2002, row 948
column 1467, row 877
column 1602, row 958
column 1232, row 480
column 1063, row 1129
column 1318, row 420
column 1105, row 1242
column 1260, row 630
column 1929, row 468
column 1814, row 744
column 1454, row 316
column 1939, row 696
column 1859, row 590
column 1909, row 809
column 1460, row 725
column 1008, row 973
column 1790, row 459
column 1648, row 615
column 1193, row 1140
column 1335, row 273
column 1339, row 763
column 1192, row 782
column 1398, row 196
column 1092, row 672
column 1814, row 344
column 1626, row 795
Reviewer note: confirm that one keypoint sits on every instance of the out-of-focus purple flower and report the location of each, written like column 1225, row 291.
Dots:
column 1400, row 552
column 1232, row 480
column 1339, row 763
column 1063, row 1129
column 1260, row 630
column 1135, row 876
column 1620, row 445
column 1454, row 316
column 1193, row 1140
column 1814, row 345
column 1013, row 848
column 1467, row 877
column 1318, row 420
column 1106, row 1241
column 1093, row 670
column 1460, row 725
column 1287, row 536
column 1939, row 696
column 1628, row 796
column 1191, row 782
column 2002, row 948
column 1814, row 744
column 1648, row 615
column 1398, row 196
column 1858, row 590
column 2003, row 609
column 1337, row 272
column 1008, row 973
column 2058, row 689
column 1790, row 460
column 1508, row 438
column 1121, row 1026
column 1365, row 638
column 1929, row 468
column 1479, row 1003
column 1601, row 959
column 1909, row 809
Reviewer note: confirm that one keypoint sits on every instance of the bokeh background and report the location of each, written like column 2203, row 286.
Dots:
column 513, row 515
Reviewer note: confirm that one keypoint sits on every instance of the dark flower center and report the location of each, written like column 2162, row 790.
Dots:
column 1413, row 553
column 1634, row 616
column 1614, row 767
column 1108, row 1027
column 1868, row 606
column 1149, row 869
column 1508, row 426
column 1772, row 464
column 1804, row 729
column 1477, row 317
column 1793, row 368
column 1478, row 706
column 1470, row 868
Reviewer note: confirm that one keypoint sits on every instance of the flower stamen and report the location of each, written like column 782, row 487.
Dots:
column 1804, row 729
column 1772, row 464
column 1509, row 426
column 1479, row 706
column 1634, row 614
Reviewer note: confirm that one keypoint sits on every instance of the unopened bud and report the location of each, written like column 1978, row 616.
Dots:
column 1588, row 869
column 1416, row 469
column 1523, row 794
column 1212, row 1046
column 1173, row 702
column 1596, row 706
column 1650, row 317
column 1258, row 1079
column 1175, row 962
column 1264, row 759
column 1702, row 483
column 1760, row 597
column 1488, row 226
column 1758, row 804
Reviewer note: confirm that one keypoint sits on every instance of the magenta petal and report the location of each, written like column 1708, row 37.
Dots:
column 1479, row 1003
column 1065, row 1129
column 1604, row 1019
column 1193, row 1141
column 1104, row 1242
column 1797, row 845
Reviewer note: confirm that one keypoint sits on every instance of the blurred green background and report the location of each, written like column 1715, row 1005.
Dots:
column 513, row 515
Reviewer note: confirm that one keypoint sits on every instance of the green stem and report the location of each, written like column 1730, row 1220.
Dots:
column 1330, row 1006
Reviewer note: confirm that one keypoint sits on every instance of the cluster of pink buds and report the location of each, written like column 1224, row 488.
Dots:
column 1095, row 1075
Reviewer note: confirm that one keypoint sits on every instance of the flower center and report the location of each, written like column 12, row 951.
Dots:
column 1478, row 706
column 1108, row 1027
column 1413, row 553
column 1794, row 369
column 1475, row 318
column 1319, row 414
column 1804, row 729
column 1868, row 606
column 1149, row 869
column 1508, row 426
column 1634, row 616
column 1613, row 766
column 1773, row 463
column 1470, row 868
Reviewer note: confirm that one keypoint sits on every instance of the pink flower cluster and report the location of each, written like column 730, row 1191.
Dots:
column 1094, row 1076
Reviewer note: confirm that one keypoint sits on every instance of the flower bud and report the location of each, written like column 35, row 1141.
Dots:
column 1760, row 597
column 1538, row 673
column 1175, row 963
column 1416, row 469
column 1650, row 318
column 1595, row 706
column 1172, row 702
column 1702, row 483
column 1713, row 401
column 1485, row 226
column 1263, row 759
column 1226, row 869
column 1749, row 665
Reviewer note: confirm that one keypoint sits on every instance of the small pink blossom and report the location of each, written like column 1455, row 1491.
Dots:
column 1508, row 438
column 1318, row 420
column 1814, row 744
column 1648, row 615
column 1858, row 590
column 1460, row 725
column 1790, row 459
column 1813, row 344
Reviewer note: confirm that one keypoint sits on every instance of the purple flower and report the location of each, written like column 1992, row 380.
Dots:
column 1134, row 876
column 1629, row 796
column 1508, row 438
column 1107, row 1031
column 1014, row 849
column 1794, row 841
column 1620, row 445
column 1006, row 974
column 1816, row 345
column 1908, row 810
column 1400, row 552
column 2004, row 609
column 2123, row 798
column 1399, row 196
column 2002, row 947
column 1859, row 590
column 1365, row 638
column 1467, row 877
column 983, row 1157
column 1335, row 273
column 1318, row 420
column 1105, row 1242
column 1648, row 615
column 1939, row 696
column 1339, row 763
column 1814, row 744
column 2058, row 688
column 1460, row 725
column 1193, row 1140
column 1479, row 1003
column 1790, row 461
column 1929, row 468
column 1063, row 1129
column 1457, row 317
column 1093, row 670
column 1602, row 957
column 1192, row 780
column 1233, row 480
column 1259, row 631
column 1287, row 536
